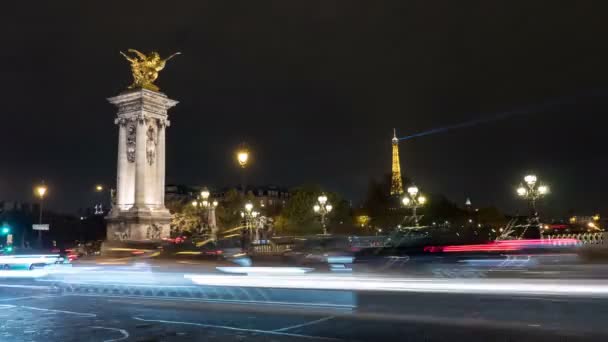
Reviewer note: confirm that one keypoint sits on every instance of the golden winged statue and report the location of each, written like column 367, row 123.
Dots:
column 145, row 68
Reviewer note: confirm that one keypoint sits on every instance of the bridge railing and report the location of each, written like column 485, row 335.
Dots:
column 598, row 238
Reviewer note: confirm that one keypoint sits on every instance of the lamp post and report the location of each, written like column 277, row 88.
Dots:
column 250, row 216
column 99, row 206
column 532, row 190
column 323, row 208
column 242, row 158
column 413, row 200
column 41, row 190
column 209, row 206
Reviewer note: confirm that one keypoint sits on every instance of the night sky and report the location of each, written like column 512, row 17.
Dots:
column 315, row 89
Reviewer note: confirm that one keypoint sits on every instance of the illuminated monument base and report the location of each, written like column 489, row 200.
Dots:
column 138, row 211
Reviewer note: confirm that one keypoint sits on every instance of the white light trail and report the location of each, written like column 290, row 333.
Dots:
column 357, row 283
column 265, row 270
column 23, row 273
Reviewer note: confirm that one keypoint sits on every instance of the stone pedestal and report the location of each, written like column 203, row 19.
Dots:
column 139, row 213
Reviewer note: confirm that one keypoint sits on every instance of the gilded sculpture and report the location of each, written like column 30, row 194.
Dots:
column 145, row 68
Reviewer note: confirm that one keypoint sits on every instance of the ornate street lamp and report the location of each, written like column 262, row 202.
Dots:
column 250, row 216
column 413, row 200
column 203, row 202
column 99, row 205
column 242, row 158
column 323, row 208
column 532, row 190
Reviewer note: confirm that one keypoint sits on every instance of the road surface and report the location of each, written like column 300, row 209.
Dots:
column 130, row 304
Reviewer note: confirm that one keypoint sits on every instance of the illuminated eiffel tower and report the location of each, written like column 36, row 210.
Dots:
column 396, row 181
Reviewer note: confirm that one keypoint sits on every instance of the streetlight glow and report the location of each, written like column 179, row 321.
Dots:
column 322, row 208
column 194, row 203
column 530, row 180
column 98, row 187
column 413, row 201
column 41, row 190
column 532, row 191
column 248, row 206
column 242, row 156
column 205, row 194
column 521, row 191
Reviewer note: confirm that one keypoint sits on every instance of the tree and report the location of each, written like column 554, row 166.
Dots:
column 439, row 209
column 229, row 212
column 385, row 210
column 298, row 217
column 492, row 217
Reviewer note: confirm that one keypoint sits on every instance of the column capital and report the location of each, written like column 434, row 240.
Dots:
column 120, row 121
column 163, row 123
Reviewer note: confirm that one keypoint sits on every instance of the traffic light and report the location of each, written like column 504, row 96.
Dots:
column 8, row 249
column 5, row 230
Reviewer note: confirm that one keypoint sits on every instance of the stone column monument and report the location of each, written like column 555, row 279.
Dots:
column 139, row 212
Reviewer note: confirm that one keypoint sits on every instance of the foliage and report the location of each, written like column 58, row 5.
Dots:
column 491, row 216
column 298, row 218
column 229, row 212
column 439, row 209
column 186, row 219
column 385, row 210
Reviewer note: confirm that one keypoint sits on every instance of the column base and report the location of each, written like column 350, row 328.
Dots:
column 138, row 224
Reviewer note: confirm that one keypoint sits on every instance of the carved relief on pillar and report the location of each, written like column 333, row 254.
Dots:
column 151, row 143
column 153, row 232
column 131, row 141
column 122, row 232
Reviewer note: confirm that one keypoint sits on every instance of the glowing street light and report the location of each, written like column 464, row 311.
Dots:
column 322, row 208
column 99, row 188
column 413, row 200
column 203, row 202
column 251, row 216
column 521, row 191
column 532, row 190
column 205, row 194
column 41, row 191
column 242, row 156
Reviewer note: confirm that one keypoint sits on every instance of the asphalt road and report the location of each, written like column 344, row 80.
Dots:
column 35, row 310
